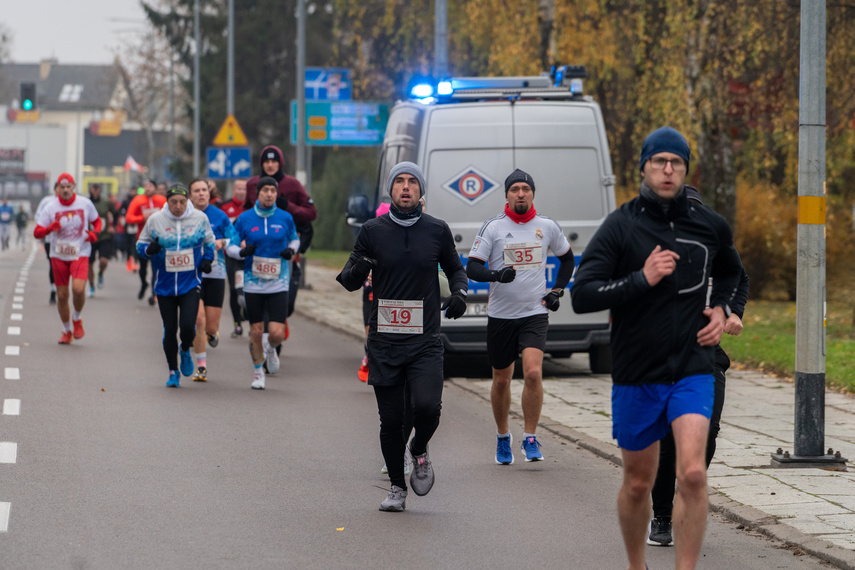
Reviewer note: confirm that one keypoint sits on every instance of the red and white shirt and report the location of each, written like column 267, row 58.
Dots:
column 69, row 241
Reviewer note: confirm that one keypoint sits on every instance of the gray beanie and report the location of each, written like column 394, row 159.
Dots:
column 407, row 168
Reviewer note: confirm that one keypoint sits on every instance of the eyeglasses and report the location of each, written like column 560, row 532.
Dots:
column 677, row 164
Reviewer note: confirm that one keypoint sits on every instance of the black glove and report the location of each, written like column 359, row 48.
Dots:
column 153, row 248
column 205, row 266
column 505, row 274
column 286, row 253
column 551, row 300
column 363, row 267
column 247, row 251
column 455, row 305
column 282, row 202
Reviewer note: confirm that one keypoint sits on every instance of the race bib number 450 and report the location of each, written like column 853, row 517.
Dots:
column 524, row 256
column 181, row 260
column 400, row 317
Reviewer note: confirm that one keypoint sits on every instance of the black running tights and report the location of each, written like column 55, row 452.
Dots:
column 398, row 417
column 178, row 314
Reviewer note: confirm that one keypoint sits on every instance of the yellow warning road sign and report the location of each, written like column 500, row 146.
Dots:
column 230, row 134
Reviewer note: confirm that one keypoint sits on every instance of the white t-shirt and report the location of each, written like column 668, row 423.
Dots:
column 69, row 242
column 502, row 242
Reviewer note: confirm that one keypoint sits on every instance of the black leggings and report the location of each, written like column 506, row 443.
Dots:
column 398, row 417
column 178, row 313
column 144, row 270
column 666, row 476
column 233, row 265
column 50, row 265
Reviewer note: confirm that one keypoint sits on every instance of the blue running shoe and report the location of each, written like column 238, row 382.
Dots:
column 186, row 367
column 174, row 379
column 504, row 455
column 531, row 447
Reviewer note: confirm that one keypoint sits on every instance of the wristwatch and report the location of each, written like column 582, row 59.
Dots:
column 462, row 292
column 559, row 291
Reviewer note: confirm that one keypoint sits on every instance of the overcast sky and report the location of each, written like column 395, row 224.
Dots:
column 73, row 31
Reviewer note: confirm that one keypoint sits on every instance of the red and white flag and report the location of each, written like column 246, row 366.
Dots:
column 131, row 164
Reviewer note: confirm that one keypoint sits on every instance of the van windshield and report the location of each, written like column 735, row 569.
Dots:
column 400, row 144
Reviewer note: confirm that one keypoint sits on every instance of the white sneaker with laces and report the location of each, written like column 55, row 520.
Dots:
column 272, row 359
column 258, row 379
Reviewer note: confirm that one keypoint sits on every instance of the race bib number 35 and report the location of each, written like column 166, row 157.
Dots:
column 524, row 256
column 400, row 317
column 266, row 267
column 181, row 260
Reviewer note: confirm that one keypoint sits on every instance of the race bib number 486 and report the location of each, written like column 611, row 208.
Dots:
column 266, row 267
column 400, row 317
column 523, row 256
column 181, row 260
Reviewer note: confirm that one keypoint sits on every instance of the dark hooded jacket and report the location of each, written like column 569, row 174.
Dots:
column 654, row 329
column 292, row 197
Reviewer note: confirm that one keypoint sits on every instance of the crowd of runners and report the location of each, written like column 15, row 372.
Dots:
column 663, row 264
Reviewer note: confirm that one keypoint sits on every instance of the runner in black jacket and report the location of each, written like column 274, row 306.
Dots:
column 650, row 263
column 404, row 248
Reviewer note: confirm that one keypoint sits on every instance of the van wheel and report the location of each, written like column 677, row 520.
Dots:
column 600, row 358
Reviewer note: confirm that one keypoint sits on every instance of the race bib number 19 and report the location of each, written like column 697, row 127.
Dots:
column 181, row 260
column 524, row 256
column 400, row 317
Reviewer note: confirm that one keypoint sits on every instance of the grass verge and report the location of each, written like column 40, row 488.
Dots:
column 768, row 341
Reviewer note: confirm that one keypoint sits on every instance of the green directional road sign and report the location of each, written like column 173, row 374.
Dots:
column 342, row 123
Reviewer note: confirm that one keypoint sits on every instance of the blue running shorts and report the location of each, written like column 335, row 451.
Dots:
column 642, row 415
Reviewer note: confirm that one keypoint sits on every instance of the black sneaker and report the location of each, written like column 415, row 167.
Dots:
column 660, row 532
column 52, row 298
column 141, row 294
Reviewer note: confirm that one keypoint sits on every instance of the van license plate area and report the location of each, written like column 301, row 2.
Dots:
column 476, row 310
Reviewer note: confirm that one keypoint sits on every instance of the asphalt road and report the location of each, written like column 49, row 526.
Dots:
column 113, row 470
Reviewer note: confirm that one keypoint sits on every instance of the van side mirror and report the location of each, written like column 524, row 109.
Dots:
column 358, row 211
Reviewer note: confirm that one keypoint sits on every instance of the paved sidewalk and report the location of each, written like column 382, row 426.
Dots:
column 812, row 509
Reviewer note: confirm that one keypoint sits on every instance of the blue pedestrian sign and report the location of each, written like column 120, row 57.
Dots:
column 327, row 84
column 229, row 162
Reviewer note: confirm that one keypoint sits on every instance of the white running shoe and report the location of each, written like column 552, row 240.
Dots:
column 272, row 359
column 258, row 379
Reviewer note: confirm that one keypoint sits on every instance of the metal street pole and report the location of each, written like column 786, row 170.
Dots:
column 301, row 92
column 809, row 410
column 440, row 40
column 196, row 119
column 230, row 73
column 171, row 104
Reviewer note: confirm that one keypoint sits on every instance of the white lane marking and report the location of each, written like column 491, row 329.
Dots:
column 20, row 285
column 13, row 331
column 8, row 452
column 13, row 350
column 19, row 291
column 4, row 516
column 16, row 317
column 11, row 407
column 17, row 306
column 17, row 299
column 12, row 373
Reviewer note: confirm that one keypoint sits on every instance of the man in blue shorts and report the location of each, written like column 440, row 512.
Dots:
column 651, row 263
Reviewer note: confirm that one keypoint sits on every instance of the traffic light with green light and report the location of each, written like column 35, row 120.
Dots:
column 28, row 96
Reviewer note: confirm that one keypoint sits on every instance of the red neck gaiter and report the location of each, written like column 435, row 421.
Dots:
column 520, row 218
column 68, row 203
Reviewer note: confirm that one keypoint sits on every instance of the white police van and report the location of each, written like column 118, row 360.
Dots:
column 468, row 134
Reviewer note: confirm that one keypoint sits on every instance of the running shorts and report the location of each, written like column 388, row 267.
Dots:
column 213, row 291
column 390, row 364
column 276, row 305
column 507, row 337
column 102, row 249
column 642, row 415
column 63, row 270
